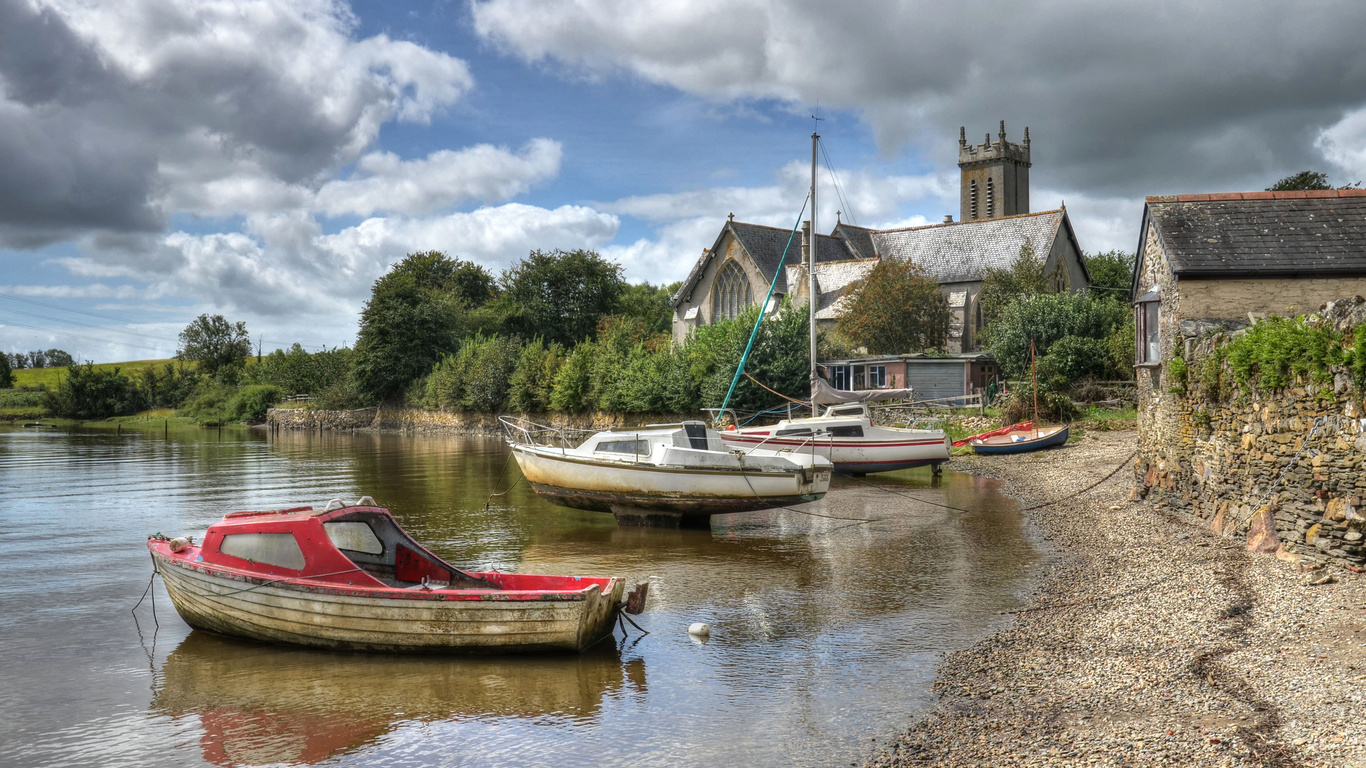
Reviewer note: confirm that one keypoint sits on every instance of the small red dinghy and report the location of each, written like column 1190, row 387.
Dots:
column 349, row 577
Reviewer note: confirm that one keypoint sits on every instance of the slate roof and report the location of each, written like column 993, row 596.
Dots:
column 765, row 245
column 833, row 278
column 859, row 240
column 1311, row 232
column 963, row 251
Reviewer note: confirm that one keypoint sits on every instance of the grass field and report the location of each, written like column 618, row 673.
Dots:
column 48, row 377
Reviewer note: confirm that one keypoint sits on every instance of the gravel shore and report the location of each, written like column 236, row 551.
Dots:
column 1150, row 641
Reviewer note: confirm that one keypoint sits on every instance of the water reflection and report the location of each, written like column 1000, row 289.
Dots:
column 827, row 621
column 261, row 704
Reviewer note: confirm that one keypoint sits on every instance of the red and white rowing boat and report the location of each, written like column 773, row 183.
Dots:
column 349, row 577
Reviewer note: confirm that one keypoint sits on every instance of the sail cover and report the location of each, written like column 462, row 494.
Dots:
column 824, row 394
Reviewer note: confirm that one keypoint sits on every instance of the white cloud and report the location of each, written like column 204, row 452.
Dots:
column 115, row 115
column 1344, row 144
column 384, row 182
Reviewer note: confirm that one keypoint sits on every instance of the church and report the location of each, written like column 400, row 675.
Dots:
column 995, row 225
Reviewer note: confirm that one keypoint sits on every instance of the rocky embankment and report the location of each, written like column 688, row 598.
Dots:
column 1149, row 642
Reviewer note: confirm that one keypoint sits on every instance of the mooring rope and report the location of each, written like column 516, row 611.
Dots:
column 501, row 475
column 1023, row 509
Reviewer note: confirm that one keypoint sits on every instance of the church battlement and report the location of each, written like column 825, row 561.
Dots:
column 992, row 151
column 995, row 176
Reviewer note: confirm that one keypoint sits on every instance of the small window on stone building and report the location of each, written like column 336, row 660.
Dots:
column 991, row 198
column 1147, row 317
column 731, row 294
column 972, row 198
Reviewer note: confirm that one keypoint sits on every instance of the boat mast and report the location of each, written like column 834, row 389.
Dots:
column 1034, row 374
column 813, row 299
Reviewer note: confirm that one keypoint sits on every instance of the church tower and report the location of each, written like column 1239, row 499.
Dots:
column 995, row 176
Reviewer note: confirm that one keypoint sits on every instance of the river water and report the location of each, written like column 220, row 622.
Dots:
column 825, row 632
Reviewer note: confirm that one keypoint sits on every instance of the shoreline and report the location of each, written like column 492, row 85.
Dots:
column 1147, row 641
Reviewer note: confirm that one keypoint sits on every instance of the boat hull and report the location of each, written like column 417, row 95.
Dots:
column 856, row 455
column 687, row 492
column 989, row 448
column 327, row 616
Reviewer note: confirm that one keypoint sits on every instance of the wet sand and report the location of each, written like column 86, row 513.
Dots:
column 1150, row 641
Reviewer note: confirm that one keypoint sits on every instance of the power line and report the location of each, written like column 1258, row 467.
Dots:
column 80, row 336
column 273, row 342
column 839, row 189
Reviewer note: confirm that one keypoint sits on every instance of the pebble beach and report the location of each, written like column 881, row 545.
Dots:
column 1149, row 641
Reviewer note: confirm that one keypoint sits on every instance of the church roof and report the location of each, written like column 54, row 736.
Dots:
column 1307, row 232
column 833, row 279
column 859, row 240
column 765, row 245
column 963, row 251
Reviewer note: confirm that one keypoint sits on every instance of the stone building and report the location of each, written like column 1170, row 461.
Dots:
column 736, row 271
column 1207, row 267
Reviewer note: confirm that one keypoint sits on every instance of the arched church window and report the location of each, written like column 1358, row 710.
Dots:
column 731, row 293
column 973, row 200
column 991, row 198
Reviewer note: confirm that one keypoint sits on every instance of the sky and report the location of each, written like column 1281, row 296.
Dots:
column 267, row 160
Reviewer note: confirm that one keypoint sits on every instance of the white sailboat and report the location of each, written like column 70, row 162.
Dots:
column 673, row 474
column 845, row 434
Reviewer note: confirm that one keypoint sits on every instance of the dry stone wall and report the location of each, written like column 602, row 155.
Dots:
column 1281, row 468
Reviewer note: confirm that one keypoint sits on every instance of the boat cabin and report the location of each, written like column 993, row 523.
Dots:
column 359, row 546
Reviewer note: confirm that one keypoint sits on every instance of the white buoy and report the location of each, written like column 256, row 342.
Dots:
column 699, row 630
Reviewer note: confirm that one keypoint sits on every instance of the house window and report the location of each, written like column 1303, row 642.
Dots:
column 991, row 198
column 731, row 294
column 858, row 377
column 841, row 377
column 1147, row 317
column 877, row 376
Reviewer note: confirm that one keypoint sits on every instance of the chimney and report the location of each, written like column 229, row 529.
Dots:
column 806, row 242
column 948, row 218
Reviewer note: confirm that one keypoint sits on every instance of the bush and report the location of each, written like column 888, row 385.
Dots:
column 475, row 378
column 1048, row 319
column 209, row 403
column 88, row 392
column 251, row 402
column 1053, row 406
column 533, row 380
column 168, row 388
column 1073, row 358
column 574, row 380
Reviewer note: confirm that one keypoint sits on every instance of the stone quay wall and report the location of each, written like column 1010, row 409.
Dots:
column 1282, row 469
column 419, row 421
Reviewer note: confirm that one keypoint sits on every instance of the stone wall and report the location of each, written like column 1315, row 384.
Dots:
column 417, row 421
column 1281, row 468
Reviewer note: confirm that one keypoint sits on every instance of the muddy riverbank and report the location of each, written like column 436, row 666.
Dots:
column 1149, row 642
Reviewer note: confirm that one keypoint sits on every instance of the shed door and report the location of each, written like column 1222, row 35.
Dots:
column 932, row 381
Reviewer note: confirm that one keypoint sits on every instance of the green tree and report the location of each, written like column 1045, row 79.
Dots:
column 561, row 295
column 896, row 309
column 218, row 346
column 1048, row 318
column 1301, row 180
column 414, row 317
column 1002, row 287
column 87, row 392
column 533, row 380
column 1112, row 274
column 6, row 376
column 58, row 358
column 652, row 304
